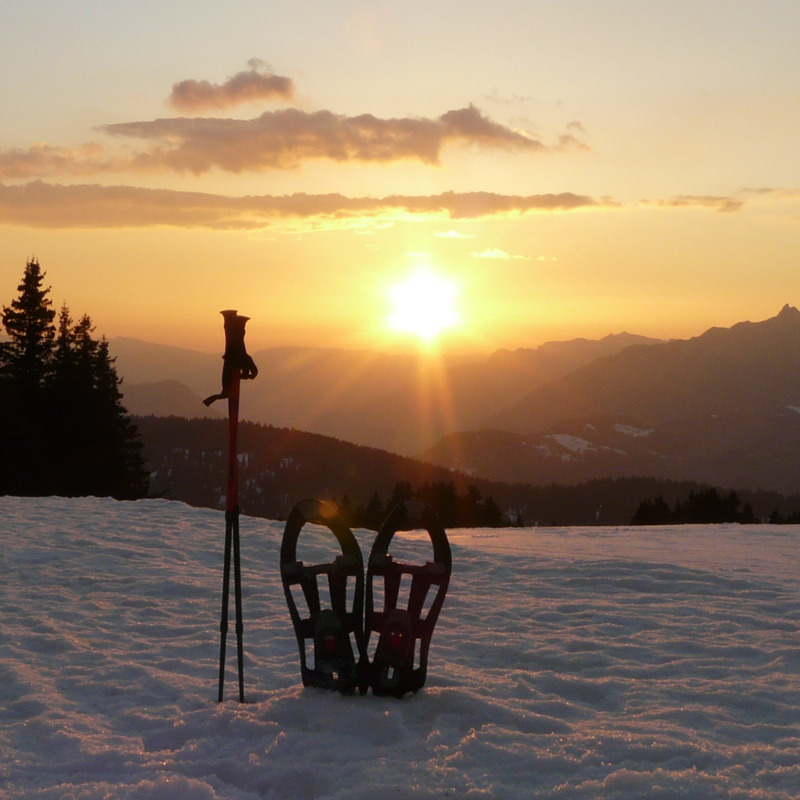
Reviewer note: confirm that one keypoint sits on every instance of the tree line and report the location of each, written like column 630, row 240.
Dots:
column 63, row 428
column 279, row 466
column 702, row 507
column 468, row 510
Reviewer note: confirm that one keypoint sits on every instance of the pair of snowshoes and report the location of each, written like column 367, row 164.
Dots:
column 333, row 641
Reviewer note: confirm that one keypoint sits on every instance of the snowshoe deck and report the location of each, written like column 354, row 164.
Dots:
column 404, row 634
column 335, row 636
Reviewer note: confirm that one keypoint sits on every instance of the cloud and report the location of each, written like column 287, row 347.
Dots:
column 765, row 191
column 286, row 138
column 47, row 205
column 470, row 125
column 280, row 139
column 479, row 204
column 570, row 141
column 454, row 235
column 192, row 96
column 722, row 204
column 495, row 253
column 45, row 159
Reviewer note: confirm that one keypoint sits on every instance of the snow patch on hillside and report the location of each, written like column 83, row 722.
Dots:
column 575, row 443
column 629, row 430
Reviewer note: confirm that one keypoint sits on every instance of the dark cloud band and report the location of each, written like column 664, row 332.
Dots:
column 288, row 137
column 46, row 205
column 718, row 203
column 281, row 139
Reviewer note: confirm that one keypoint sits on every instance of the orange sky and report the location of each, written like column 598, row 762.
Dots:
column 572, row 168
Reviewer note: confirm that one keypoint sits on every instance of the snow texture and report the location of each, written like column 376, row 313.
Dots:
column 567, row 663
column 574, row 443
column 629, row 430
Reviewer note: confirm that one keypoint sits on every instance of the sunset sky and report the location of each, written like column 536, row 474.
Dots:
column 565, row 168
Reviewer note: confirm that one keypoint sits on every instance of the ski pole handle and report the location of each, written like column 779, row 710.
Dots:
column 236, row 358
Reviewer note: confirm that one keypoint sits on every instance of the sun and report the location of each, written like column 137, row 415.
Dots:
column 424, row 305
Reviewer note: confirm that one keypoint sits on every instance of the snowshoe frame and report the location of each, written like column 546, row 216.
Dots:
column 338, row 664
column 402, row 630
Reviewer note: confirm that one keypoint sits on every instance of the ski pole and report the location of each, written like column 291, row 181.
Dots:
column 237, row 366
column 232, row 520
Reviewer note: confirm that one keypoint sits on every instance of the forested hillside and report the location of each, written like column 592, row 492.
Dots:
column 278, row 467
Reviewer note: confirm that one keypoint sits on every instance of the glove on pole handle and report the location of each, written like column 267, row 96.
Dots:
column 237, row 365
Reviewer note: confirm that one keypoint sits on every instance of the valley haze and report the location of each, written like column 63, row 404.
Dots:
column 721, row 408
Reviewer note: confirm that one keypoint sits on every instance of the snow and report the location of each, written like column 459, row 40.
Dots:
column 629, row 430
column 567, row 663
column 574, row 443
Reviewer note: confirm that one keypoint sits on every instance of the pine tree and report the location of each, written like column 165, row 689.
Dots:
column 492, row 515
column 374, row 513
column 95, row 444
column 402, row 491
column 62, row 351
column 25, row 363
column 122, row 471
column 63, row 428
column 655, row 512
column 471, row 508
column 26, row 358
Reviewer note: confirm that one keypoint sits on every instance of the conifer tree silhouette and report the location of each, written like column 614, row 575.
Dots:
column 63, row 428
column 26, row 357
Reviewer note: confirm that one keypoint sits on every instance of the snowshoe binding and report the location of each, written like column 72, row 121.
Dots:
column 400, row 662
column 334, row 636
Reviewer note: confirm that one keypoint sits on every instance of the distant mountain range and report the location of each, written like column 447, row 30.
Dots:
column 753, row 365
column 429, row 403
column 400, row 403
column 723, row 407
column 165, row 399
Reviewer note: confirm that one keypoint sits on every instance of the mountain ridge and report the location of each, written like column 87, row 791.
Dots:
column 721, row 408
column 672, row 379
column 398, row 402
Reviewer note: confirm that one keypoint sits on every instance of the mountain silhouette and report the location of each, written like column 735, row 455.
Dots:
column 164, row 399
column 398, row 402
column 722, row 408
column 431, row 403
column 751, row 366
column 187, row 459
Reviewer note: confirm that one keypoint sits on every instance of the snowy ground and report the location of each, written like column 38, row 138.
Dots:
column 572, row 663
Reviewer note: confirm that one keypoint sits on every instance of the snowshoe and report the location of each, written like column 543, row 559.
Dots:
column 333, row 636
column 400, row 662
